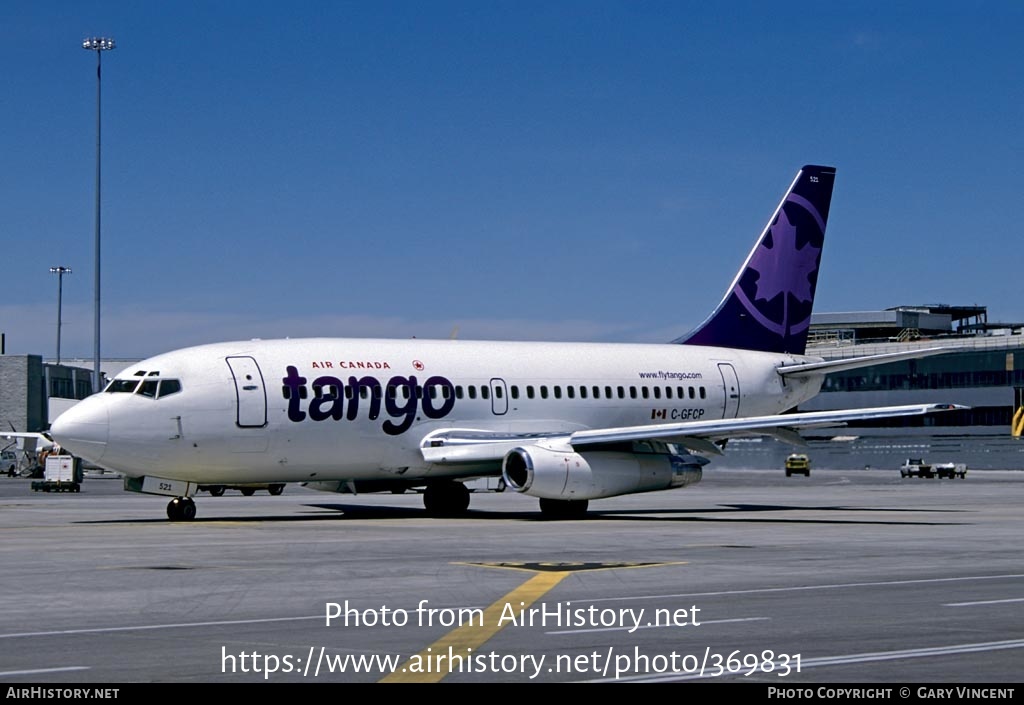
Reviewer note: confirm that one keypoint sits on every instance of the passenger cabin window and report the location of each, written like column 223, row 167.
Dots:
column 515, row 391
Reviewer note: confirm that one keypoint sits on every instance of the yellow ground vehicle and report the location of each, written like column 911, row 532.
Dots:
column 798, row 464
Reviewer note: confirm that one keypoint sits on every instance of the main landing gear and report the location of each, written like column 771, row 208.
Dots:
column 563, row 508
column 181, row 509
column 446, row 499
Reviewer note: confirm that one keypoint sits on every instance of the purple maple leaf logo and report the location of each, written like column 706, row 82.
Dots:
column 784, row 268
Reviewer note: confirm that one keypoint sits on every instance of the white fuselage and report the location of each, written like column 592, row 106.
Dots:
column 346, row 409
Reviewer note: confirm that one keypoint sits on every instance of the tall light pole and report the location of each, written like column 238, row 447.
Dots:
column 60, row 272
column 98, row 45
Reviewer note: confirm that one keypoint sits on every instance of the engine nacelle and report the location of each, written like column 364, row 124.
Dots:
column 550, row 474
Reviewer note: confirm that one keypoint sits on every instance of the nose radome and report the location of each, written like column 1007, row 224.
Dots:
column 83, row 429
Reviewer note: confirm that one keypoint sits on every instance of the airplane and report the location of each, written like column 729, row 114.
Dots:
column 561, row 421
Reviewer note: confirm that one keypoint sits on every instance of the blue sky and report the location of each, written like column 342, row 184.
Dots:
column 590, row 170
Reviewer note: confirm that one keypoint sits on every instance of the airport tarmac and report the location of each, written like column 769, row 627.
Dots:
column 848, row 576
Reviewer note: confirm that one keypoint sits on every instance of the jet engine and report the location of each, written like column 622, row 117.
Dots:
column 551, row 474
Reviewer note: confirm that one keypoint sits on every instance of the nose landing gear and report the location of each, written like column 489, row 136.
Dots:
column 181, row 509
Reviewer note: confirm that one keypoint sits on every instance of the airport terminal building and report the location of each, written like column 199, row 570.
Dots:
column 984, row 370
column 32, row 391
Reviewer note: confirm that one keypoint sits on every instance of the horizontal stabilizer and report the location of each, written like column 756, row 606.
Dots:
column 808, row 369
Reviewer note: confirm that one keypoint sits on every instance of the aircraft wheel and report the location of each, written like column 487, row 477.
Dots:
column 446, row 498
column 248, row 491
column 181, row 509
column 275, row 489
column 216, row 490
column 563, row 508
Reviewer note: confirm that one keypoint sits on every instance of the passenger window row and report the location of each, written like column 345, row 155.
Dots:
column 472, row 391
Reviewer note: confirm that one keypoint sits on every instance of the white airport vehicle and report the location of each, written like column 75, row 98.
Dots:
column 10, row 464
column 62, row 473
column 564, row 422
column 917, row 467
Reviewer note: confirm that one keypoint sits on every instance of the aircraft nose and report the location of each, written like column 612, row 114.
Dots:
column 83, row 429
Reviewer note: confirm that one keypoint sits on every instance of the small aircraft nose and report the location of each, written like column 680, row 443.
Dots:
column 83, row 429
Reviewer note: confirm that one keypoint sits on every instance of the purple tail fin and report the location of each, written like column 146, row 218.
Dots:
column 768, row 306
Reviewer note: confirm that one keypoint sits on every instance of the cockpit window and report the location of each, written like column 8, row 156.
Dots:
column 147, row 386
column 124, row 386
column 169, row 386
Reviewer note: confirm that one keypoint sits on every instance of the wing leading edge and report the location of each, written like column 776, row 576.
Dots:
column 458, row 446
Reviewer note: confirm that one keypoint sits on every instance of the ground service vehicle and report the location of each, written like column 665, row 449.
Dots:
column 9, row 463
column 916, row 467
column 798, row 464
column 62, row 473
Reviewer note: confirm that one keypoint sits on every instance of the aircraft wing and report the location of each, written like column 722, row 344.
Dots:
column 29, row 441
column 458, row 446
